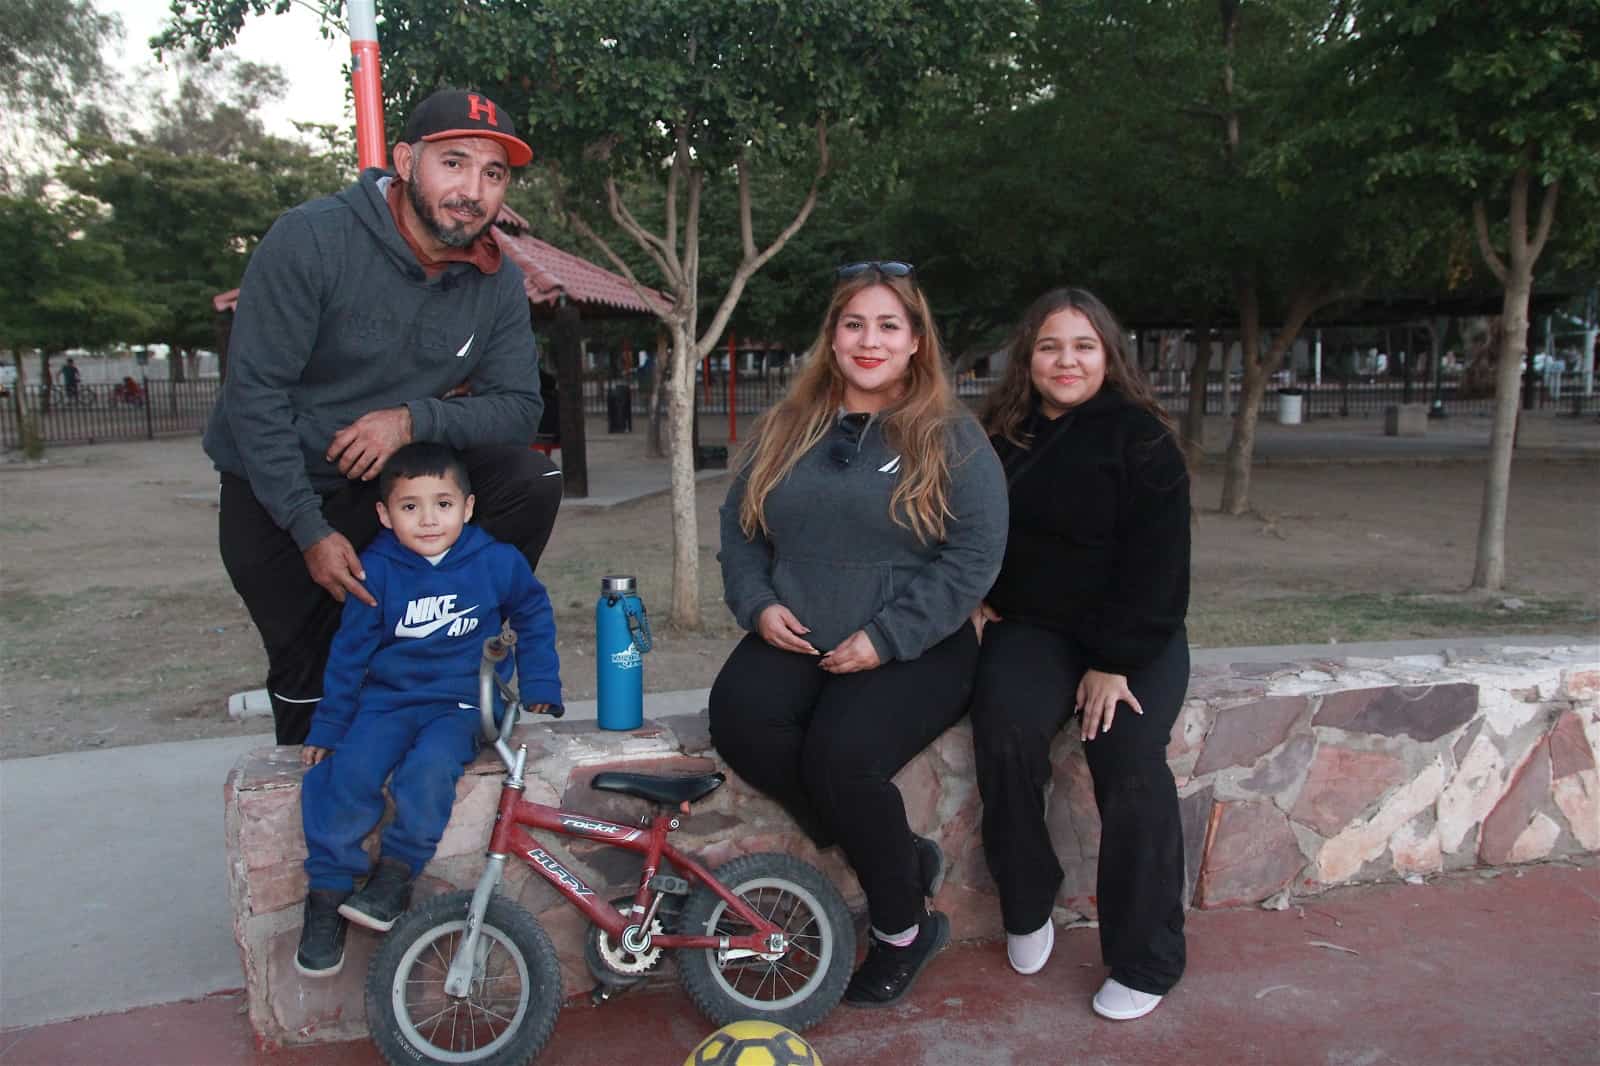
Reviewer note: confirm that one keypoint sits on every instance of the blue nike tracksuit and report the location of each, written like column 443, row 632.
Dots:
column 401, row 695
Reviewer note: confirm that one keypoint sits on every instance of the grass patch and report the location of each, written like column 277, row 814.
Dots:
column 1352, row 617
column 22, row 525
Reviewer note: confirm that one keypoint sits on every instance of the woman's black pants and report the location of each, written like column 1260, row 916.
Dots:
column 827, row 747
column 1024, row 694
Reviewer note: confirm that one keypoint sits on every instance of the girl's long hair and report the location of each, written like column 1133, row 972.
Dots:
column 1011, row 400
column 915, row 425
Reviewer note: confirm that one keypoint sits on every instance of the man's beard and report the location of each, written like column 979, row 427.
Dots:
column 452, row 234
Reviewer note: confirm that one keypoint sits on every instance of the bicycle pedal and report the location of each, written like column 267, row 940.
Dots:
column 672, row 886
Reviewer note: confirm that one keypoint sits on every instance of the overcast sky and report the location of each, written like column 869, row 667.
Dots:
column 314, row 66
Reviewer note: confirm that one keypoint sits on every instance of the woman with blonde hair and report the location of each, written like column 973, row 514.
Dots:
column 864, row 525
column 1086, row 618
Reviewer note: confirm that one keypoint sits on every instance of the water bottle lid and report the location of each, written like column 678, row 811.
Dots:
column 618, row 584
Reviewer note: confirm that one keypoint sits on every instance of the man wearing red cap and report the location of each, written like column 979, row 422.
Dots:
column 366, row 320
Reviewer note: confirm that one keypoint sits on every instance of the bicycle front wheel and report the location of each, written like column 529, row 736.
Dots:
column 795, row 990
column 508, row 1013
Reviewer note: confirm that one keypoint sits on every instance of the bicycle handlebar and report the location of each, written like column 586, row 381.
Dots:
column 495, row 650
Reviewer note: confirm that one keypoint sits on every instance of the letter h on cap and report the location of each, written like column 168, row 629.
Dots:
column 481, row 108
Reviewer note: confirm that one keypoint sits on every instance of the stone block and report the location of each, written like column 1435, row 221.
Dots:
column 1425, row 713
column 1511, row 817
column 1342, row 858
column 1405, row 420
column 1241, row 735
column 1342, row 783
column 1251, row 854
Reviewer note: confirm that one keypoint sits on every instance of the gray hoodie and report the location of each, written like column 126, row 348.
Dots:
column 840, row 563
column 336, row 318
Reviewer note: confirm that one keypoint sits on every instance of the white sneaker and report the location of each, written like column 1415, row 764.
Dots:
column 1028, row 952
column 1123, row 1004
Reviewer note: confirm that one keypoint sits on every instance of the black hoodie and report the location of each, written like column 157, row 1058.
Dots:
column 1098, row 546
column 336, row 318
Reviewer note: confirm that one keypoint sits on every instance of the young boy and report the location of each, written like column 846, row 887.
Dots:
column 401, row 692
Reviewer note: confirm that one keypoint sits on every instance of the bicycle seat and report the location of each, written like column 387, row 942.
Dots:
column 659, row 788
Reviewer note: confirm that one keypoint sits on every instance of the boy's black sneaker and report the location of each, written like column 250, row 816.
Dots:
column 383, row 899
column 886, row 976
column 930, row 864
column 321, row 951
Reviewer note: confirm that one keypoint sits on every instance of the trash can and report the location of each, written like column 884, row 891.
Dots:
column 1290, row 407
column 619, row 409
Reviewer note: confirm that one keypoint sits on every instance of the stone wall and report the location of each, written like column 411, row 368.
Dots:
column 1293, row 777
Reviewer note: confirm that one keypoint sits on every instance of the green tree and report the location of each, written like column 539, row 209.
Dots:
column 51, row 76
column 63, row 284
column 189, row 200
column 1496, row 106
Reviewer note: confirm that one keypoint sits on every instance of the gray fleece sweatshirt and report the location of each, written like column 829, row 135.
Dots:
column 336, row 318
column 840, row 563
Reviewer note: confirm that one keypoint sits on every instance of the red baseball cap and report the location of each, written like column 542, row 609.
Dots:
column 460, row 113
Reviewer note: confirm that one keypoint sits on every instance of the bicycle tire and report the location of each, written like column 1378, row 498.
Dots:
column 424, row 940
column 811, row 976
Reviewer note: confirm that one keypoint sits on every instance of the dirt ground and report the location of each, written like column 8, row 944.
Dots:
column 118, row 625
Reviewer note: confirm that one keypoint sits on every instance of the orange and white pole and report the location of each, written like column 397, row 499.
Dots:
column 366, row 84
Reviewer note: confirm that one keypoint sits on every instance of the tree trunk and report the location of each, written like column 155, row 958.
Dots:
column 176, row 371
column 46, row 393
column 680, row 451
column 659, row 369
column 1258, row 370
column 1194, row 419
column 1490, row 570
column 1515, row 272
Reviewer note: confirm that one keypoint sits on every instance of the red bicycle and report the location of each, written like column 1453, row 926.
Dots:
column 471, row 977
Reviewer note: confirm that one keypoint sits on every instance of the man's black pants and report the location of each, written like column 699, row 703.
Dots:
column 1024, row 694
column 827, row 747
column 517, row 491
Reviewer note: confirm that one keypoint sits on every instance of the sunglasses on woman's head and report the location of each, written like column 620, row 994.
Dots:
column 889, row 268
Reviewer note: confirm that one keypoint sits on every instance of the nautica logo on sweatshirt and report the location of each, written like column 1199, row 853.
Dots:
column 462, row 354
column 891, row 467
column 428, row 614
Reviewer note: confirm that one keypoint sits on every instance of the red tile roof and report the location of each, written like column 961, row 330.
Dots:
column 551, row 273
column 548, row 273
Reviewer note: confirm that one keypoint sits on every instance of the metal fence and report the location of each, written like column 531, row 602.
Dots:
column 93, row 413
column 158, row 407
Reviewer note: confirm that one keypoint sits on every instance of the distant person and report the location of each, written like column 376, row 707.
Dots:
column 401, row 695
column 865, row 523
column 1086, row 618
column 70, row 377
column 360, row 318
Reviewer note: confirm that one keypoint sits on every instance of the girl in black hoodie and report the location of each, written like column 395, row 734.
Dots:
column 1086, row 618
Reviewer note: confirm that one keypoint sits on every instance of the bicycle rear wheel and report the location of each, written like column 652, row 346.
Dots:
column 796, row 989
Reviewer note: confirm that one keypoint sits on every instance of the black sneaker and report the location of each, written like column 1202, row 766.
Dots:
column 930, row 863
column 886, row 976
column 383, row 899
column 321, row 951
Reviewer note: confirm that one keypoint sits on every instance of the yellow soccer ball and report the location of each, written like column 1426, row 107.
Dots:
column 753, row 1043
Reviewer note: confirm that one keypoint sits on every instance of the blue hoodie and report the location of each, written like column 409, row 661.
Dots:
column 423, row 642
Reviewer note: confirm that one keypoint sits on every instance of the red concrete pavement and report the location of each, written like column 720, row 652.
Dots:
column 1470, row 968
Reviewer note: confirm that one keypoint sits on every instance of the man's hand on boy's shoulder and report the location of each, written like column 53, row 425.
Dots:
column 310, row 754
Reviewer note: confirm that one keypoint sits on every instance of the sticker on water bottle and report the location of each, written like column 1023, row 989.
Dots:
column 629, row 659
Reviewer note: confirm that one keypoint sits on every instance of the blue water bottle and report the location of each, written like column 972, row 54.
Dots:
column 622, row 636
